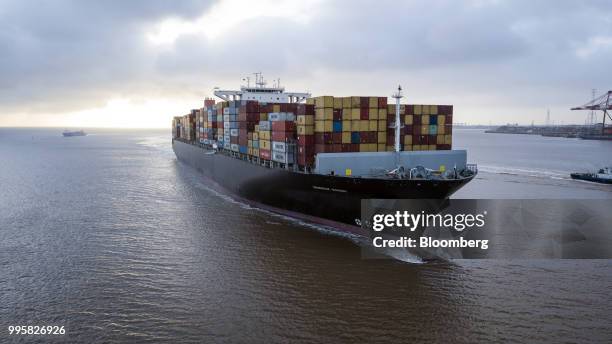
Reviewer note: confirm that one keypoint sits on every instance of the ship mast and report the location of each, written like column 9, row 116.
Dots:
column 398, row 125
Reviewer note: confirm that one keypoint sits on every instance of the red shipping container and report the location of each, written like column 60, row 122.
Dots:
column 382, row 102
column 337, row 115
column 416, row 120
column 306, row 140
column 306, row 150
column 346, row 147
column 306, row 109
column 432, row 140
column 323, row 148
column 252, row 106
column 323, row 138
column 337, row 148
column 364, row 114
column 234, row 139
column 243, row 140
column 242, row 133
column 364, row 102
column 354, row 147
column 208, row 103
column 287, row 126
column 408, row 129
column 409, row 110
column 337, row 137
column 363, row 137
column 305, row 160
column 264, row 154
column 448, row 119
column 443, row 147
column 253, row 117
column 283, row 136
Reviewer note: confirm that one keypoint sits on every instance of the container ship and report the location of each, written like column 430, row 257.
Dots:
column 316, row 158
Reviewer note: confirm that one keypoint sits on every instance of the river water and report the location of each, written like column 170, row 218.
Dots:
column 112, row 238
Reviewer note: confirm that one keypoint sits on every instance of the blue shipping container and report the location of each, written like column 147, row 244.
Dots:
column 433, row 119
column 355, row 137
column 244, row 149
column 337, row 126
column 433, row 130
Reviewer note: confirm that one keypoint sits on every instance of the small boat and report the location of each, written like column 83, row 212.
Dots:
column 68, row 133
column 603, row 176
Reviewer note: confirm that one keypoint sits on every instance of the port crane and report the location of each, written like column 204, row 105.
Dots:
column 601, row 103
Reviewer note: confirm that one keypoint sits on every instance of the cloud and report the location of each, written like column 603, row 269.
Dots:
column 59, row 56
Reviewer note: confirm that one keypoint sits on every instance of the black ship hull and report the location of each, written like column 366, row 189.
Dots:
column 590, row 178
column 326, row 199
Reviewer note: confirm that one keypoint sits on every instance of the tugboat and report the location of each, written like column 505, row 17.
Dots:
column 603, row 176
column 68, row 133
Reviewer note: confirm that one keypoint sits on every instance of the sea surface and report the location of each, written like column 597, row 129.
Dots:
column 112, row 238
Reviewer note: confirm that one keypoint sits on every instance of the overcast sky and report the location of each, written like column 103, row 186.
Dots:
column 140, row 62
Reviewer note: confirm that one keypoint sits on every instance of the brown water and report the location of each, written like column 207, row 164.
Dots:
column 109, row 236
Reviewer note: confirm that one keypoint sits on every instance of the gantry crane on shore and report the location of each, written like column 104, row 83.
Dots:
column 601, row 103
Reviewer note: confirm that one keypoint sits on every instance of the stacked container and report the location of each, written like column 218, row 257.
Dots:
column 283, row 136
column 305, row 135
column 426, row 127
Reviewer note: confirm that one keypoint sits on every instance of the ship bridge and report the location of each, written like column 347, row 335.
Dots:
column 261, row 93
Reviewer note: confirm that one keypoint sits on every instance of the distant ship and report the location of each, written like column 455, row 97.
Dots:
column 68, row 133
column 603, row 176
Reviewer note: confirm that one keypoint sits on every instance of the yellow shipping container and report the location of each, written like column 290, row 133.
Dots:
column 373, row 102
column 346, row 102
column 440, row 139
column 373, row 113
column 263, row 116
column 250, row 135
column 433, row 110
column 441, row 131
column 346, row 137
column 425, row 120
column 319, row 126
column 264, row 144
column 324, row 114
column 250, row 143
column 408, row 139
column 355, row 102
column 390, row 149
column 448, row 139
column 382, row 113
column 364, row 125
column 346, row 114
column 381, row 147
column 373, row 147
column 310, row 101
column 355, row 114
column 425, row 129
column 373, row 125
column 329, row 126
column 305, row 129
column 408, row 119
column 390, row 108
column 264, row 135
column 382, row 125
column 363, row 147
column 305, row 120
column 408, row 147
column 276, row 108
column 256, row 151
column 250, row 151
column 346, row 126
column 418, row 109
column 355, row 126
column 256, row 128
column 382, row 137
column 324, row 102
column 255, row 136
column 337, row 103
column 441, row 120
column 432, row 147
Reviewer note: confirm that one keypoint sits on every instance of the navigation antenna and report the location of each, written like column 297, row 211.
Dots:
column 398, row 124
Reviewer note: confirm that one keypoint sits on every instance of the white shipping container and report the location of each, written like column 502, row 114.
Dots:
column 265, row 126
column 226, row 125
column 233, row 132
column 226, row 118
column 278, row 146
column 283, row 157
column 234, row 147
column 225, row 111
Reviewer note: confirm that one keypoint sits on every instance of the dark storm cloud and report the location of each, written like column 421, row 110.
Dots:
column 69, row 54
